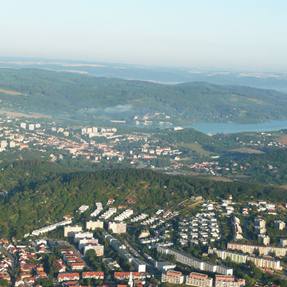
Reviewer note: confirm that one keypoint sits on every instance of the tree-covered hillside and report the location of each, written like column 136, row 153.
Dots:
column 43, row 192
column 83, row 97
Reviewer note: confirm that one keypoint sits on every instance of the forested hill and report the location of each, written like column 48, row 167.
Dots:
column 82, row 97
column 32, row 203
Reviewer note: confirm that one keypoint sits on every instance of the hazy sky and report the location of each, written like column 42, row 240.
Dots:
column 193, row 33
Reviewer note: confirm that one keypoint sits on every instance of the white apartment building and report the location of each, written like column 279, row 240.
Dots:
column 93, row 225
column 109, row 213
column 98, row 210
column 99, row 249
column 118, row 227
column 124, row 215
column 71, row 230
column 51, row 227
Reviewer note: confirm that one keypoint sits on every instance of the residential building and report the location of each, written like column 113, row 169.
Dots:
column 82, row 235
column 99, row 249
column 264, row 239
column 260, row 262
column 164, row 266
column 83, row 208
column 198, row 280
column 195, row 262
column 93, row 275
column 77, row 266
column 283, row 242
column 109, row 213
column 71, row 230
column 262, row 250
column 260, row 225
column 127, row 275
column 226, row 254
column 98, row 210
column 124, row 215
column 280, row 224
column 93, row 225
column 228, row 281
column 118, row 227
column 172, row 277
column 68, row 276
column 51, row 227
column 266, row 263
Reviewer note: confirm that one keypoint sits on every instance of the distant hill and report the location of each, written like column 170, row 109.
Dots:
column 83, row 97
column 259, row 79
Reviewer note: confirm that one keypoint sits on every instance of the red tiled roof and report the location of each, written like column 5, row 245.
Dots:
column 173, row 273
column 227, row 278
column 119, row 275
column 90, row 274
column 198, row 275
column 68, row 276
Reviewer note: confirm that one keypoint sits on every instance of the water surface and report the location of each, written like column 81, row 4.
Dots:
column 227, row 128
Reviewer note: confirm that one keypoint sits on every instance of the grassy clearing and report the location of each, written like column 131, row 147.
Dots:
column 196, row 147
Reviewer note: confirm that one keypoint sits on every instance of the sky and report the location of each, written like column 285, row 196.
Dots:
column 230, row 34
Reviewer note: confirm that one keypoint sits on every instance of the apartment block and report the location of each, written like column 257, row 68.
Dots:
column 71, row 230
column 93, row 225
column 195, row 262
column 262, row 250
column 228, row 281
column 118, row 227
column 198, row 280
column 172, row 277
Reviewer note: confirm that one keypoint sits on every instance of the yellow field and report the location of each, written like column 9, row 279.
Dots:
column 247, row 150
column 22, row 115
column 10, row 92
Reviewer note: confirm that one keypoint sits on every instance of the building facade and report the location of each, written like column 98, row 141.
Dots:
column 198, row 280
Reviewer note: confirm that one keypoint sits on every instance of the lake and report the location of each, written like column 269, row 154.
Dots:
column 228, row 128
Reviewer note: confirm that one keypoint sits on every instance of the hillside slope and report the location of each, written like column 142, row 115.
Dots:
column 45, row 192
column 82, row 97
